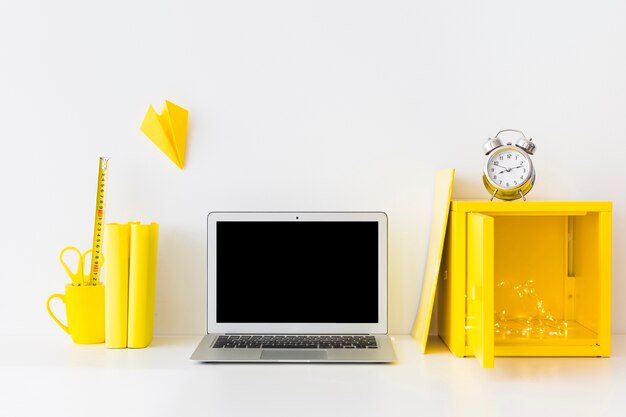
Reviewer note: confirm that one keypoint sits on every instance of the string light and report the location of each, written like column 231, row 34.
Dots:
column 539, row 323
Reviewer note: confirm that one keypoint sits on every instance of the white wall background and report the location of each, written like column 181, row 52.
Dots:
column 294, row 105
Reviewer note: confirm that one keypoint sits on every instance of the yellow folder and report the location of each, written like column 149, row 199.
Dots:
column 443, row 193
column 116, row 252
column 142, row 283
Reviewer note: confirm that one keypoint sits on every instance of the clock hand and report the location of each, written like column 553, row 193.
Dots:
column 509, row 169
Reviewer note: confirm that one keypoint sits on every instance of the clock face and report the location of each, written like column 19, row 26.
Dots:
column 508, row 168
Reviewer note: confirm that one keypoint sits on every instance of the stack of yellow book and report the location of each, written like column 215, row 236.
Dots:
column 130, row 253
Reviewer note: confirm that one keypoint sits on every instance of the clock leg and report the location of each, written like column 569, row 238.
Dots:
column 493, row 195
column 522, row 194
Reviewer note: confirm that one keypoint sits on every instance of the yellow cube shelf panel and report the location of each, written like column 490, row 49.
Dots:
column 506, row 262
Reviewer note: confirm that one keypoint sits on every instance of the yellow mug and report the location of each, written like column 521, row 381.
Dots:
column 84, row 307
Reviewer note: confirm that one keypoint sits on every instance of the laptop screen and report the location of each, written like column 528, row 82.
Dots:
column 297, row 272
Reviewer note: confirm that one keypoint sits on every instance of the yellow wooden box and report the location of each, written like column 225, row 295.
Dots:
column 563, row 247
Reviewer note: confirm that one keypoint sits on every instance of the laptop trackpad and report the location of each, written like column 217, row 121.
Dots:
column 293, row 355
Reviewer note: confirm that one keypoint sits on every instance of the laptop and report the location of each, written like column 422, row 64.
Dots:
column 296, row 287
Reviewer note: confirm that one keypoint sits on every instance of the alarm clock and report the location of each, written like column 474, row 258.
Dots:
column 509, row 173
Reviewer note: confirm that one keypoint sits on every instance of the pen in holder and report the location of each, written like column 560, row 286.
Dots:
column 84, row 298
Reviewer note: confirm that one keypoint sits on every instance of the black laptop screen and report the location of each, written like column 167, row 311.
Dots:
column 297, row 272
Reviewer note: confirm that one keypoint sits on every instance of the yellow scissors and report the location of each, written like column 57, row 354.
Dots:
column 78, row 276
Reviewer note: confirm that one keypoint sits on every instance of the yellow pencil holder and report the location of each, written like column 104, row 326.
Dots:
column 84, row 307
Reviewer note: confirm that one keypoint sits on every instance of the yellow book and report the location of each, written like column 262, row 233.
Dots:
column 116, row 253
column 142, row 283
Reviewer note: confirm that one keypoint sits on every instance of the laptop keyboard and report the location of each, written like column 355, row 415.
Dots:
column 296, row 342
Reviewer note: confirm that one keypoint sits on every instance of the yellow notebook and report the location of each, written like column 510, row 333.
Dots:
column 116, row 253
column 142, row 283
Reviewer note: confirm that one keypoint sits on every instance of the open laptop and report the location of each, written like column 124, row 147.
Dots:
column 296, row 287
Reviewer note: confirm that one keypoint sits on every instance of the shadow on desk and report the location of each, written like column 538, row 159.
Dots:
column 535, row 368
column 435, row 346
column 166, row 341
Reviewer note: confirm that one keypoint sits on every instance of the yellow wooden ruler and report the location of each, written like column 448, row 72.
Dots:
column 98, row 228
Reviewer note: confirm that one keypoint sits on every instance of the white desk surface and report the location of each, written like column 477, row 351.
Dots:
column 42, row 376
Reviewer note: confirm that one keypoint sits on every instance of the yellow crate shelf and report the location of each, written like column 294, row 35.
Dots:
column 562, row 248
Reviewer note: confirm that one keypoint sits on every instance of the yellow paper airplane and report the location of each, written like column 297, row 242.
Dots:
column 168, row 131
